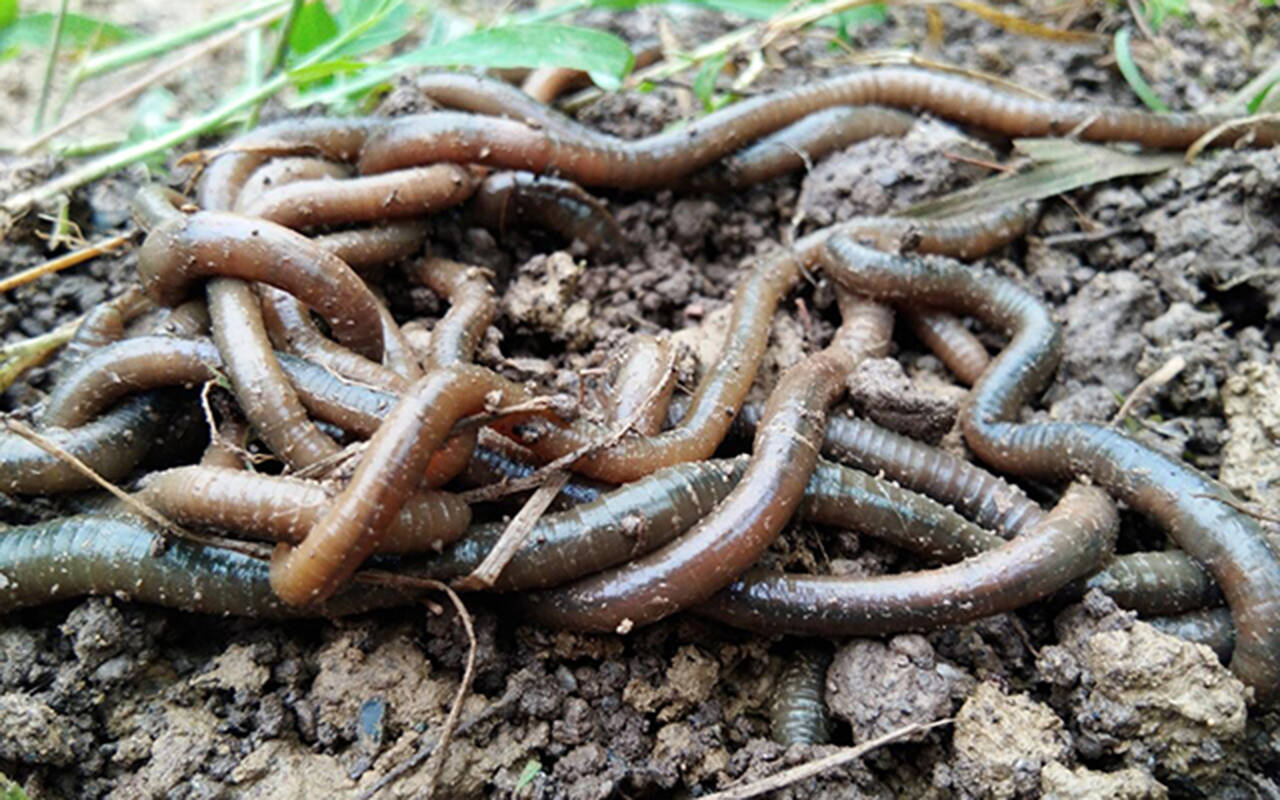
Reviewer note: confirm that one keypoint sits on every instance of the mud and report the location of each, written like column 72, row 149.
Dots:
column 103, row 698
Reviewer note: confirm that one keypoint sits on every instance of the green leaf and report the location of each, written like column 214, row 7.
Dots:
column 704, row 83
column 874, row 14
column 1131, row 73
column 531, row 769
column 10, row 790
column 8, row 13
column 311, row 28
column 384, row 22
column 78, row 31
column 603, row 56
column 325, row 69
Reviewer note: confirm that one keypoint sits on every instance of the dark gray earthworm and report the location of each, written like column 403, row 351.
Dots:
column 1196, row 511
column 124, row 558
column 1155, row 583
column 511, row 199
column 1072, row 540
column 798, row 710
column 664, row 158
column 111, row 445
column 127, row 367
column 643, row 515
column 1212, row 628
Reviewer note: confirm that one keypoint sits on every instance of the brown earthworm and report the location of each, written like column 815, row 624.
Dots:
column 289, row 325
column 365, row 249
column 388, row 471
column 227, row 448
column 513, row 198
column 1197, row 512
column 283, row 509
column 950, row 341
column 545, row 84
column 472, row 307
column 283, row 171
column 333, row 139
column 210, row 243
column 1071, row 540
column 111, row 445
column 123, row 557
column 663, row 158
column 261, row 388
column 798, row 710
column 186, row 319
column 127, row 367
column 641, row 382
column 104, row 324
column 467, row 92
column 800, row 144
column 723, row 544
column 412, row 192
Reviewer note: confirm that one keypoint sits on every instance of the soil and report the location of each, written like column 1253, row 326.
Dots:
column 107, row 698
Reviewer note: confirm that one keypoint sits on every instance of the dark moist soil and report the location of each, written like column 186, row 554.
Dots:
column 104, row 697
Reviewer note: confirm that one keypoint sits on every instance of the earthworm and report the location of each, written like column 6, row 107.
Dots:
column 185, row 319
column 332, row 139
column 104, row 324
column 211, row 243
column 472, row 307
column 487, row 96
column 498, row 459
column 282, row 171
column 263, row 391
column 226, row 449
column 388, row 471
column 951, row 341
column 1212, row 628
column 724, row 543
column 364, row 249
column 123, row 557
column 641, row 382
column 800, row 144
column 798, row 710
column 513, row 197
column 126, row 367
column 628, row 521
column 283, row 509
column 665, row 157
column 642, row 515
column 412, row 192
column 111, row 445
column 545, row 84
column 290, row 328
column 1194, row 509
column 1155, row 583
column 1071, row 540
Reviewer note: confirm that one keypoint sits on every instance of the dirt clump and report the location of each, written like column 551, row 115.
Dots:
column 1002, row 742
column 1251, row 456
column 1148, row 699
column 1057, row 782
column 878, row 687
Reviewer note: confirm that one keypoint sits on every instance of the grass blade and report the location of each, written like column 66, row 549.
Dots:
column 1129, row 69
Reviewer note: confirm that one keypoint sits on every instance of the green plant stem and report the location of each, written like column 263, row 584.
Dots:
column 204, row 123
column 277, row 57
column 47, row 87
column 133, row 52
column 1131, row 73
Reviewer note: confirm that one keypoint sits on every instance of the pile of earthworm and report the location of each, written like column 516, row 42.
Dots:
column 262, row 284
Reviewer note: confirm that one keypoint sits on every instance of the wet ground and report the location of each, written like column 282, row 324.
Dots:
column 104, row 697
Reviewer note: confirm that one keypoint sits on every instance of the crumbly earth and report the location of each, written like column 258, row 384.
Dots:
column 106, row 698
